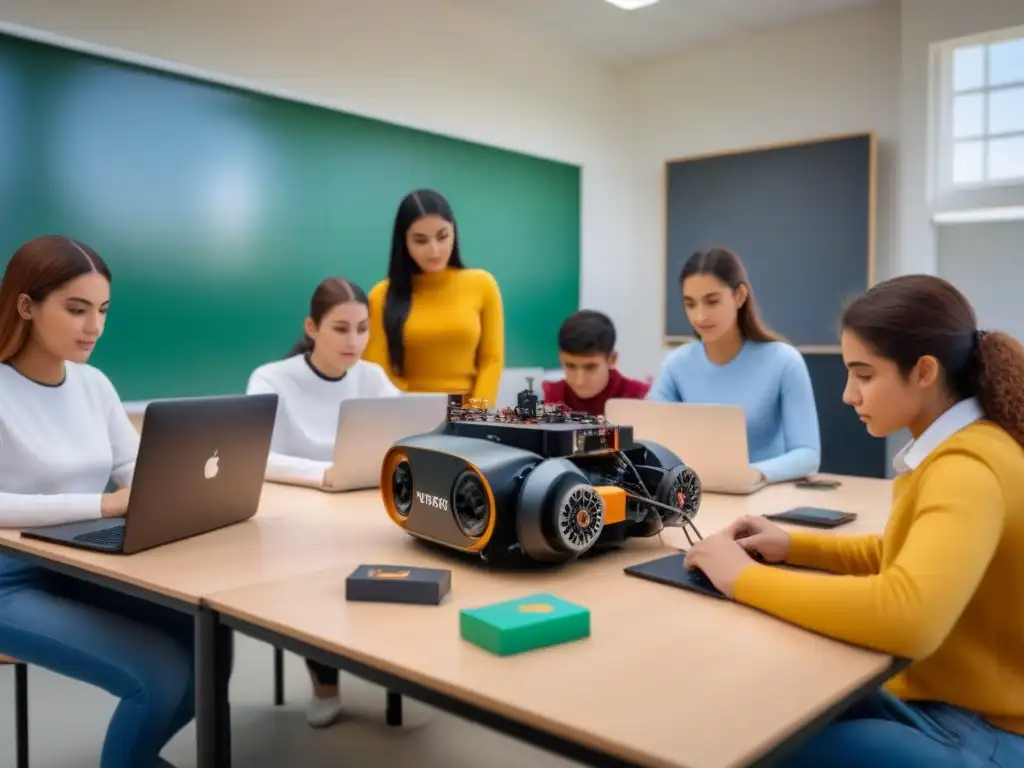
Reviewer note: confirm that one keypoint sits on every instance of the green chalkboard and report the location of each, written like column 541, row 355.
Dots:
column 219, row 210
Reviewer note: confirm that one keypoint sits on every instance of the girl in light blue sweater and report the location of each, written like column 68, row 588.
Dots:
column 738, row 360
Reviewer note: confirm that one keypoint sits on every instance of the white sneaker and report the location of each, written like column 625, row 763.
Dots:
column 323, row 712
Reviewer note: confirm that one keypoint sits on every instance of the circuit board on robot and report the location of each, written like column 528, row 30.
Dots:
column 550, row 429
column 529, row 409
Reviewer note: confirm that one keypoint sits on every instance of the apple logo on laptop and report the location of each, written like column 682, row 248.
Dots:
column 212, row 466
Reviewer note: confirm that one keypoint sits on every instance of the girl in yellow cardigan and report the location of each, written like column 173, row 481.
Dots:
column 943, row 586
column 435, row 326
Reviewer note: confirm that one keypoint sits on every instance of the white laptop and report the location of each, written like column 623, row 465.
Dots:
column 710, row 438
column 367, row 428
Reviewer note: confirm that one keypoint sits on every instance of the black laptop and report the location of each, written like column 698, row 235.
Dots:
column 200, row 467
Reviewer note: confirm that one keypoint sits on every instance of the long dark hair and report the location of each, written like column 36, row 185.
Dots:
column 727, row 267
column 909, row 317
column 329, row 294
column 401, row 268
column 37, row 269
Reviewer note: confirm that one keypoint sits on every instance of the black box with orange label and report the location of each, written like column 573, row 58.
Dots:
column 398, row 584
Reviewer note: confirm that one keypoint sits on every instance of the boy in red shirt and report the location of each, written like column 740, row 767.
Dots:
column 586, row 350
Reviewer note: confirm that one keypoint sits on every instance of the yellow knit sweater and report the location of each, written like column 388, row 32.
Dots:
column 454, row 335
column 942, row 586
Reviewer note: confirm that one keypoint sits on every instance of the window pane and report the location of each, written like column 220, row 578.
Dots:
column 968, row 115
column 1006, row 158
column 968, row 162
column 969, row 68
column 1006, row 62
column 1006, row 111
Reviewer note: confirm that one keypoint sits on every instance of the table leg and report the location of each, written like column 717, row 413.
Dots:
column 21, row 713
column 393, row 711
column 278, row 677
column 214, row 654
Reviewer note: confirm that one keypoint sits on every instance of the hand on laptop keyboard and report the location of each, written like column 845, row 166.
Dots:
column 115, row 504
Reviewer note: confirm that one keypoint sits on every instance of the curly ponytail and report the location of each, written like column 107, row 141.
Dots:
column 913, row 316
column 998, row 380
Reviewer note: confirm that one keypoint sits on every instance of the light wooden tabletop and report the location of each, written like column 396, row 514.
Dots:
column 301, row 530
column 668, row 678
column 295, row 531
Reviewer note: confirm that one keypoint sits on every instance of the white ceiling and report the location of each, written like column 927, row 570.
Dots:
column 667, row 27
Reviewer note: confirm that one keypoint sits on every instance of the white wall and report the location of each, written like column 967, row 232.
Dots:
column 986, row 262
column 983, row 260
column 438, row 69
column 866, row 69
column 924, row 22
column 836, row 74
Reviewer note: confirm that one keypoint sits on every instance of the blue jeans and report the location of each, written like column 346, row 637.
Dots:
column 883, row 732
column 137, row 651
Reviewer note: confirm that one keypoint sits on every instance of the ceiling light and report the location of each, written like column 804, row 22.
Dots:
column 631, row 5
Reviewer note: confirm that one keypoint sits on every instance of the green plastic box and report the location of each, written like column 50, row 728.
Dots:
column 531, row 622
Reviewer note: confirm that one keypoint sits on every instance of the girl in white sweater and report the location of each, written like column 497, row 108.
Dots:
column 64, row 436
column 322, row 369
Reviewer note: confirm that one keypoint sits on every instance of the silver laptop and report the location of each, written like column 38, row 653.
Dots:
column 367, row 428
column 200, row 467
column 710, row 438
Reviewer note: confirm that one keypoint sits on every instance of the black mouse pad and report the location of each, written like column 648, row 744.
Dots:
column 672, row 571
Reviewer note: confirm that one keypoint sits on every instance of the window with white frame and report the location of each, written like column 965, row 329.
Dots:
column 979, row 136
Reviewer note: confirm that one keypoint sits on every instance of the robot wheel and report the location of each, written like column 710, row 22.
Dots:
column 579, row 517
column 680, row 488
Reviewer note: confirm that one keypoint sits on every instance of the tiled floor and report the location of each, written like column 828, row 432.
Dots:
column 67, row 721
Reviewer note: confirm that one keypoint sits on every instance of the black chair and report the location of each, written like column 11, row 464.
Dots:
column 392, row 712
column 20, row 709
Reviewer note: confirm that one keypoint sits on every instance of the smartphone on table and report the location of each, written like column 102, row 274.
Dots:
column 818, row 484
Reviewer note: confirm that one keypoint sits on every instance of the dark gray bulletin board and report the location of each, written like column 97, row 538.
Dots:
column 802, row 218
column 800, row 215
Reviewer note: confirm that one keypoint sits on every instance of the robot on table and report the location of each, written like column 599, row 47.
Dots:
column 534, row 481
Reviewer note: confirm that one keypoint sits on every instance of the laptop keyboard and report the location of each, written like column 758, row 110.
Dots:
column 105, row 538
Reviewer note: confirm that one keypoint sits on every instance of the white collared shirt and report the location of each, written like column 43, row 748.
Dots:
column 961, row 415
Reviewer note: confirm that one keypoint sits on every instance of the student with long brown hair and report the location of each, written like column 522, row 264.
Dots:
column 320, row 371
column 323, row 368
column 738, row 360
column 943, row 586
column 64, row 435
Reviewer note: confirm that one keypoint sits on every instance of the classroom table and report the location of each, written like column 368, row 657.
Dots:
column 280, row 577
column 294, row 531
column 667, row 679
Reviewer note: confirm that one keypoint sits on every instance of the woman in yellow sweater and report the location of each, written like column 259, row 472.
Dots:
column 435, row 326
column 943, row 586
